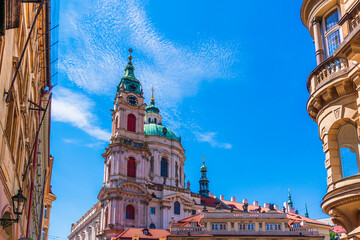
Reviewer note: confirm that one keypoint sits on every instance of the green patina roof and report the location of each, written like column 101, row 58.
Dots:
column 152, row 108
column 129, row 81
column 159, row 130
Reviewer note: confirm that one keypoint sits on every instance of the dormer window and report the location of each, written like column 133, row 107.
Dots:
column 145, row 231
column 331, row 32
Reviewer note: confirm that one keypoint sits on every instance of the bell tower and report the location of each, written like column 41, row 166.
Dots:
column 204, row 182
column 124, row 197
column 129, row 107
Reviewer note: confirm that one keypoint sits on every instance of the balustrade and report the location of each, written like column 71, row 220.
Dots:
column 327, row 71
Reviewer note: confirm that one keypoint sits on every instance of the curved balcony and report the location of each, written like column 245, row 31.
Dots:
column 329, row 81
column 341, row 200
column 326, row 71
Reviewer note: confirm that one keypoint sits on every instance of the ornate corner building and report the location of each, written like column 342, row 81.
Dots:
column 334, row 103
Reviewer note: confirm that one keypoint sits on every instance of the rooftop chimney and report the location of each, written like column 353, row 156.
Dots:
column 266, row 205
column 256, row 203
column 245, row 201
column 276, row 207
column 233, row 199
column 221, row 197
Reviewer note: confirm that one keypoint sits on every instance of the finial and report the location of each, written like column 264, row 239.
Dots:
column 306, row 211
column 130, row 51
column 152, row 94
column 203, row 159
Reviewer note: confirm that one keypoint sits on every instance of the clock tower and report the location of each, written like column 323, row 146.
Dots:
column 124, row 197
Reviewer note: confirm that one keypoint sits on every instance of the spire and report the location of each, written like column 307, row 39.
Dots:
column 290, row 203
column 129, row 82
column 152, row 108
column 306, row 211
column 204, row 182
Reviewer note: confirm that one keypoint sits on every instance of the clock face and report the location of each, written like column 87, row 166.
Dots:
column 132, row 100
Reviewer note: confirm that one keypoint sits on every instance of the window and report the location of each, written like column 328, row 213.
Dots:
column 130, row 212
column 152, row 226
column 247, row 226
column 193, row 212
column 296, row 225
column 43, row 234
column 149, row 120
column 273, row 227
column 152, row 210
column 109, row 170
column 331, row 32
column 45, row 212
column 106, row 217
column 131, row 123
column 349, row 150
column 116, row 123
column 333, row 41
column 218, row 226
column 155, row 120
column 332, row 20
column 164, row 167
column 177, row 208
column 131, row 168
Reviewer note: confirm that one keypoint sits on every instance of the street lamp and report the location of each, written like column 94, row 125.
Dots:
column 18, row 202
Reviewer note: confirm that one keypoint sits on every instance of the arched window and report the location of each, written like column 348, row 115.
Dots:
column 177, row 208
column 155, row 120
column 331, row 32
column 164, row 167
column 152, row 226
column 131, row 123
column 349, row 150
column 131, row 168
column 130, row 212
column 149, row 120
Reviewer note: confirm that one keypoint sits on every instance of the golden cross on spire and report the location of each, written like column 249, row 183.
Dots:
column 130, row 51
column 152, row 93
column 203, row 159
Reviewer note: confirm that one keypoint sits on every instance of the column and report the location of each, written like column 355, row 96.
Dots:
column 318, row 41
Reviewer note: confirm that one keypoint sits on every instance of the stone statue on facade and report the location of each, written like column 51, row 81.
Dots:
column 245, row 207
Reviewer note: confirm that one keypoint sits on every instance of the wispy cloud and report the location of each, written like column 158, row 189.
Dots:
column 95, row 55
column 211, row 138
column 75, row 108
column 84, row 144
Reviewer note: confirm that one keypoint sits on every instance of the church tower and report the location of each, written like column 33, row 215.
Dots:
column 124, row 198
column 204, row 182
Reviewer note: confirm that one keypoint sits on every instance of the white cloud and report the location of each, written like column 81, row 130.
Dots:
column 94, row 53
column 210, row 137
column 75, row 108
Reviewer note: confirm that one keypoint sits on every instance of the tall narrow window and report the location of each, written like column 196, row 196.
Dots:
column 131, row 123
column 131, row 168
column 152, row 226
column 130, row 212
column 106, row 217
column 109, row 170
column 164, row 167
column 331, row 32
column 177, row 208
column 116, row 123
column 45, row 212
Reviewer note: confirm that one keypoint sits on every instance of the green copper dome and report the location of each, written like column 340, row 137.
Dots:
column 129, row 82
column 159, row 130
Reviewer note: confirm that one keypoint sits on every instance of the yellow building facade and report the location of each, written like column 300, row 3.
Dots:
column 25, row 86
column 334, row 103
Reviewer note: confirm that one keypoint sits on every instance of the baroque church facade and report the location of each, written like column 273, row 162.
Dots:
column 144, row 180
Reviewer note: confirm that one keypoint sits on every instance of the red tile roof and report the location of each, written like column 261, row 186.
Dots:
column 212, row 202
column 153, row 233
column 338, row 229
column 186, row 221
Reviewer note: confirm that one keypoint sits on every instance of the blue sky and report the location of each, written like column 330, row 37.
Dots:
column 230, row 78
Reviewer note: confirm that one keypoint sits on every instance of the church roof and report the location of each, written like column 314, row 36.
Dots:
column 159, row 130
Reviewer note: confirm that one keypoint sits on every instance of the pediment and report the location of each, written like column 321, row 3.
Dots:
column 130, row 187
column 177, row 197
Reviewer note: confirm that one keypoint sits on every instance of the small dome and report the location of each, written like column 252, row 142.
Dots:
column 159, row 130
column 203, row 167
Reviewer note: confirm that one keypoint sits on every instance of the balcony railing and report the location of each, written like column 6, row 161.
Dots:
column 286, row 231
column 326, row 71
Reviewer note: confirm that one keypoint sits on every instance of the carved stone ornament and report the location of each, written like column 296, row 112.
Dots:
column 337, row 113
